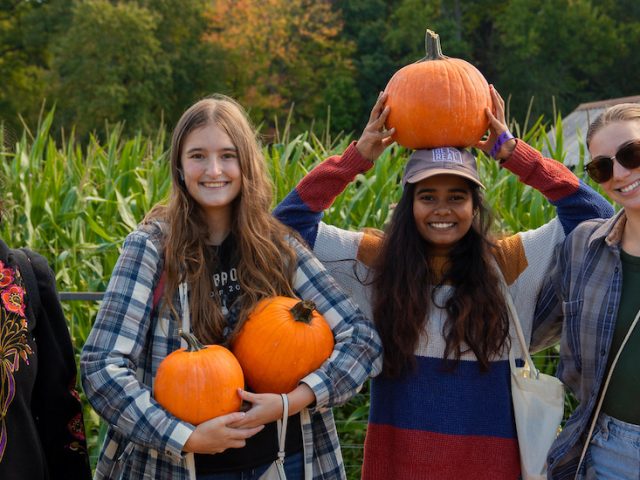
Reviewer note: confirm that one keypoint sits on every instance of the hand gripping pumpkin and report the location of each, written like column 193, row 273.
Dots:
column 438, row 101
column 200, row 382
column 282, row 340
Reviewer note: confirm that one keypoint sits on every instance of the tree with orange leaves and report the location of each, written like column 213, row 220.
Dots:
column 282, row 53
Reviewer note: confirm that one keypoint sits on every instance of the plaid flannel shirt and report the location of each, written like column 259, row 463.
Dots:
column 128, row 341
column 580, row 301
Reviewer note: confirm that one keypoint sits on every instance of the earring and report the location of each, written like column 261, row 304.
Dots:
column 181, row 175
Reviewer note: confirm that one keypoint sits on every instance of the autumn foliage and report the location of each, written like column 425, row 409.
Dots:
column 279, row 53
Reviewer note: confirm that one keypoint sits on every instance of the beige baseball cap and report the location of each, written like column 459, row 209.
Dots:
column 437, row 161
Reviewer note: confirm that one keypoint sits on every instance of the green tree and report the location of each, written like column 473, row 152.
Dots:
column 197, row 66
column 22, row 62
column 554, row 49
column 621, row 78
column 109, row 67
column 390, row 35
column 366, row 25
column 412, row 17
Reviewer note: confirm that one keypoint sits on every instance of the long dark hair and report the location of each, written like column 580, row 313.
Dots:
column 403, row 284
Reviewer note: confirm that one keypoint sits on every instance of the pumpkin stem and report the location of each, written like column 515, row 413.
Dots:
column 432, row 46
column 193, row 344
column 303, row 311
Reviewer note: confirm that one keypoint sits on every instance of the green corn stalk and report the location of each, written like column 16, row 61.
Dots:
column 75, row 204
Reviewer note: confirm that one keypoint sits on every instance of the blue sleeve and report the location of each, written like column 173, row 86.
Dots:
column 584, row 204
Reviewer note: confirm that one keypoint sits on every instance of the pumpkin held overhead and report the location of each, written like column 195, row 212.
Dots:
column 438, row 101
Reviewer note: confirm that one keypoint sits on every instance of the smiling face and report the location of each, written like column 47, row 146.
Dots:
column 624, row 186
column 443, row 210
column 211, row 170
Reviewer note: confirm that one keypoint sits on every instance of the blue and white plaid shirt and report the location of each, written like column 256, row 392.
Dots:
column 127, row 342
column 580, row 301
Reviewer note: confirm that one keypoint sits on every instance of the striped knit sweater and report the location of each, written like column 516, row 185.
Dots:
column 437, row 424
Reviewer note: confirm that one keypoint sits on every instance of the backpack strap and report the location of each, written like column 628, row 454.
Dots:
column 158, row 229
column 159, row 291
column 23, row 260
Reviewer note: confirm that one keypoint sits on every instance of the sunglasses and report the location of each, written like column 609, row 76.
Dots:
column 600, row 169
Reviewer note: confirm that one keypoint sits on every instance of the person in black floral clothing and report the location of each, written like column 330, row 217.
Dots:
column 41, row 426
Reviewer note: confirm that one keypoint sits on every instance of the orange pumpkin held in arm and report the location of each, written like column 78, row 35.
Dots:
column 199, row 383
column 282, row 341
column 438, row 101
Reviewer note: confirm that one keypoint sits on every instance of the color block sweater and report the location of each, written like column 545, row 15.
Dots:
column 432, row 423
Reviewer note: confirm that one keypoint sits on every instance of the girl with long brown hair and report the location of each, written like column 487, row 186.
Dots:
column 433, row 284
column 216, row 236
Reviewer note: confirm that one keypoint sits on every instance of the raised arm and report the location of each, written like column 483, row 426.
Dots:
column 575, row 201
column 527, row 259
column 302, row 208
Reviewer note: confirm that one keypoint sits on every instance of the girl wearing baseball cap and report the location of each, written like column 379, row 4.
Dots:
column 432, row 285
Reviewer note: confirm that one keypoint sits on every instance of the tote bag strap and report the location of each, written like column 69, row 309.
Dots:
column 520, row 334
column 515, row 320
column 282, row 426
column 604, row 391
column 183, row 293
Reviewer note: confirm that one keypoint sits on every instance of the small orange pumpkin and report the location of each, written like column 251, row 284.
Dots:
column 438, row 101
column 200, row 382
column 282, row 340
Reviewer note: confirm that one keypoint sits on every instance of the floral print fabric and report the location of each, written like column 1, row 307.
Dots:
column 14, row 347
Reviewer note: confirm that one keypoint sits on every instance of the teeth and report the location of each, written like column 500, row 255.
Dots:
column 214, row 184
column 630, row 187
column 442, row 225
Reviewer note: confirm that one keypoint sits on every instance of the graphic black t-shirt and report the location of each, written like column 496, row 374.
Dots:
column 262, row 448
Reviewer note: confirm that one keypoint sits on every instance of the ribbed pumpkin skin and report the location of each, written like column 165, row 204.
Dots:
column 276, row 351
column 438, row 102
column 196, row 386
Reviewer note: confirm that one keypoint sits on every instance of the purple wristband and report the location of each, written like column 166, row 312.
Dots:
column 504, row 136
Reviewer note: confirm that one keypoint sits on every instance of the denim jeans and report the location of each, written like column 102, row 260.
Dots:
column 615, row 449
column 293, row 467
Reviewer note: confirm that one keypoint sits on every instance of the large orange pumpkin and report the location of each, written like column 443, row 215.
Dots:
column 438, row 101
column 200, row 382
column 282, row 340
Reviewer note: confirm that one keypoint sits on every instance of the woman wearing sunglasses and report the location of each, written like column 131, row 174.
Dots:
column 594, row 290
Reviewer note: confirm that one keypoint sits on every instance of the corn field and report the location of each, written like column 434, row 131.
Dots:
column 75, row 204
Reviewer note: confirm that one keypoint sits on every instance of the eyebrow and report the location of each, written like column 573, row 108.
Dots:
column 452, row 190
column 224, row 150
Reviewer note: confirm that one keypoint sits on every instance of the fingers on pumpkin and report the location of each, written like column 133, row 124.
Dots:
column 493, row 120
column 247, row 396
column 233, row 417
column 380, row 121
column 379, row 107
column 498, row 102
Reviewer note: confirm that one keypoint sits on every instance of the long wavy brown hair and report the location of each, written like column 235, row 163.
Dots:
column 404, row 280
column 267, row 261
